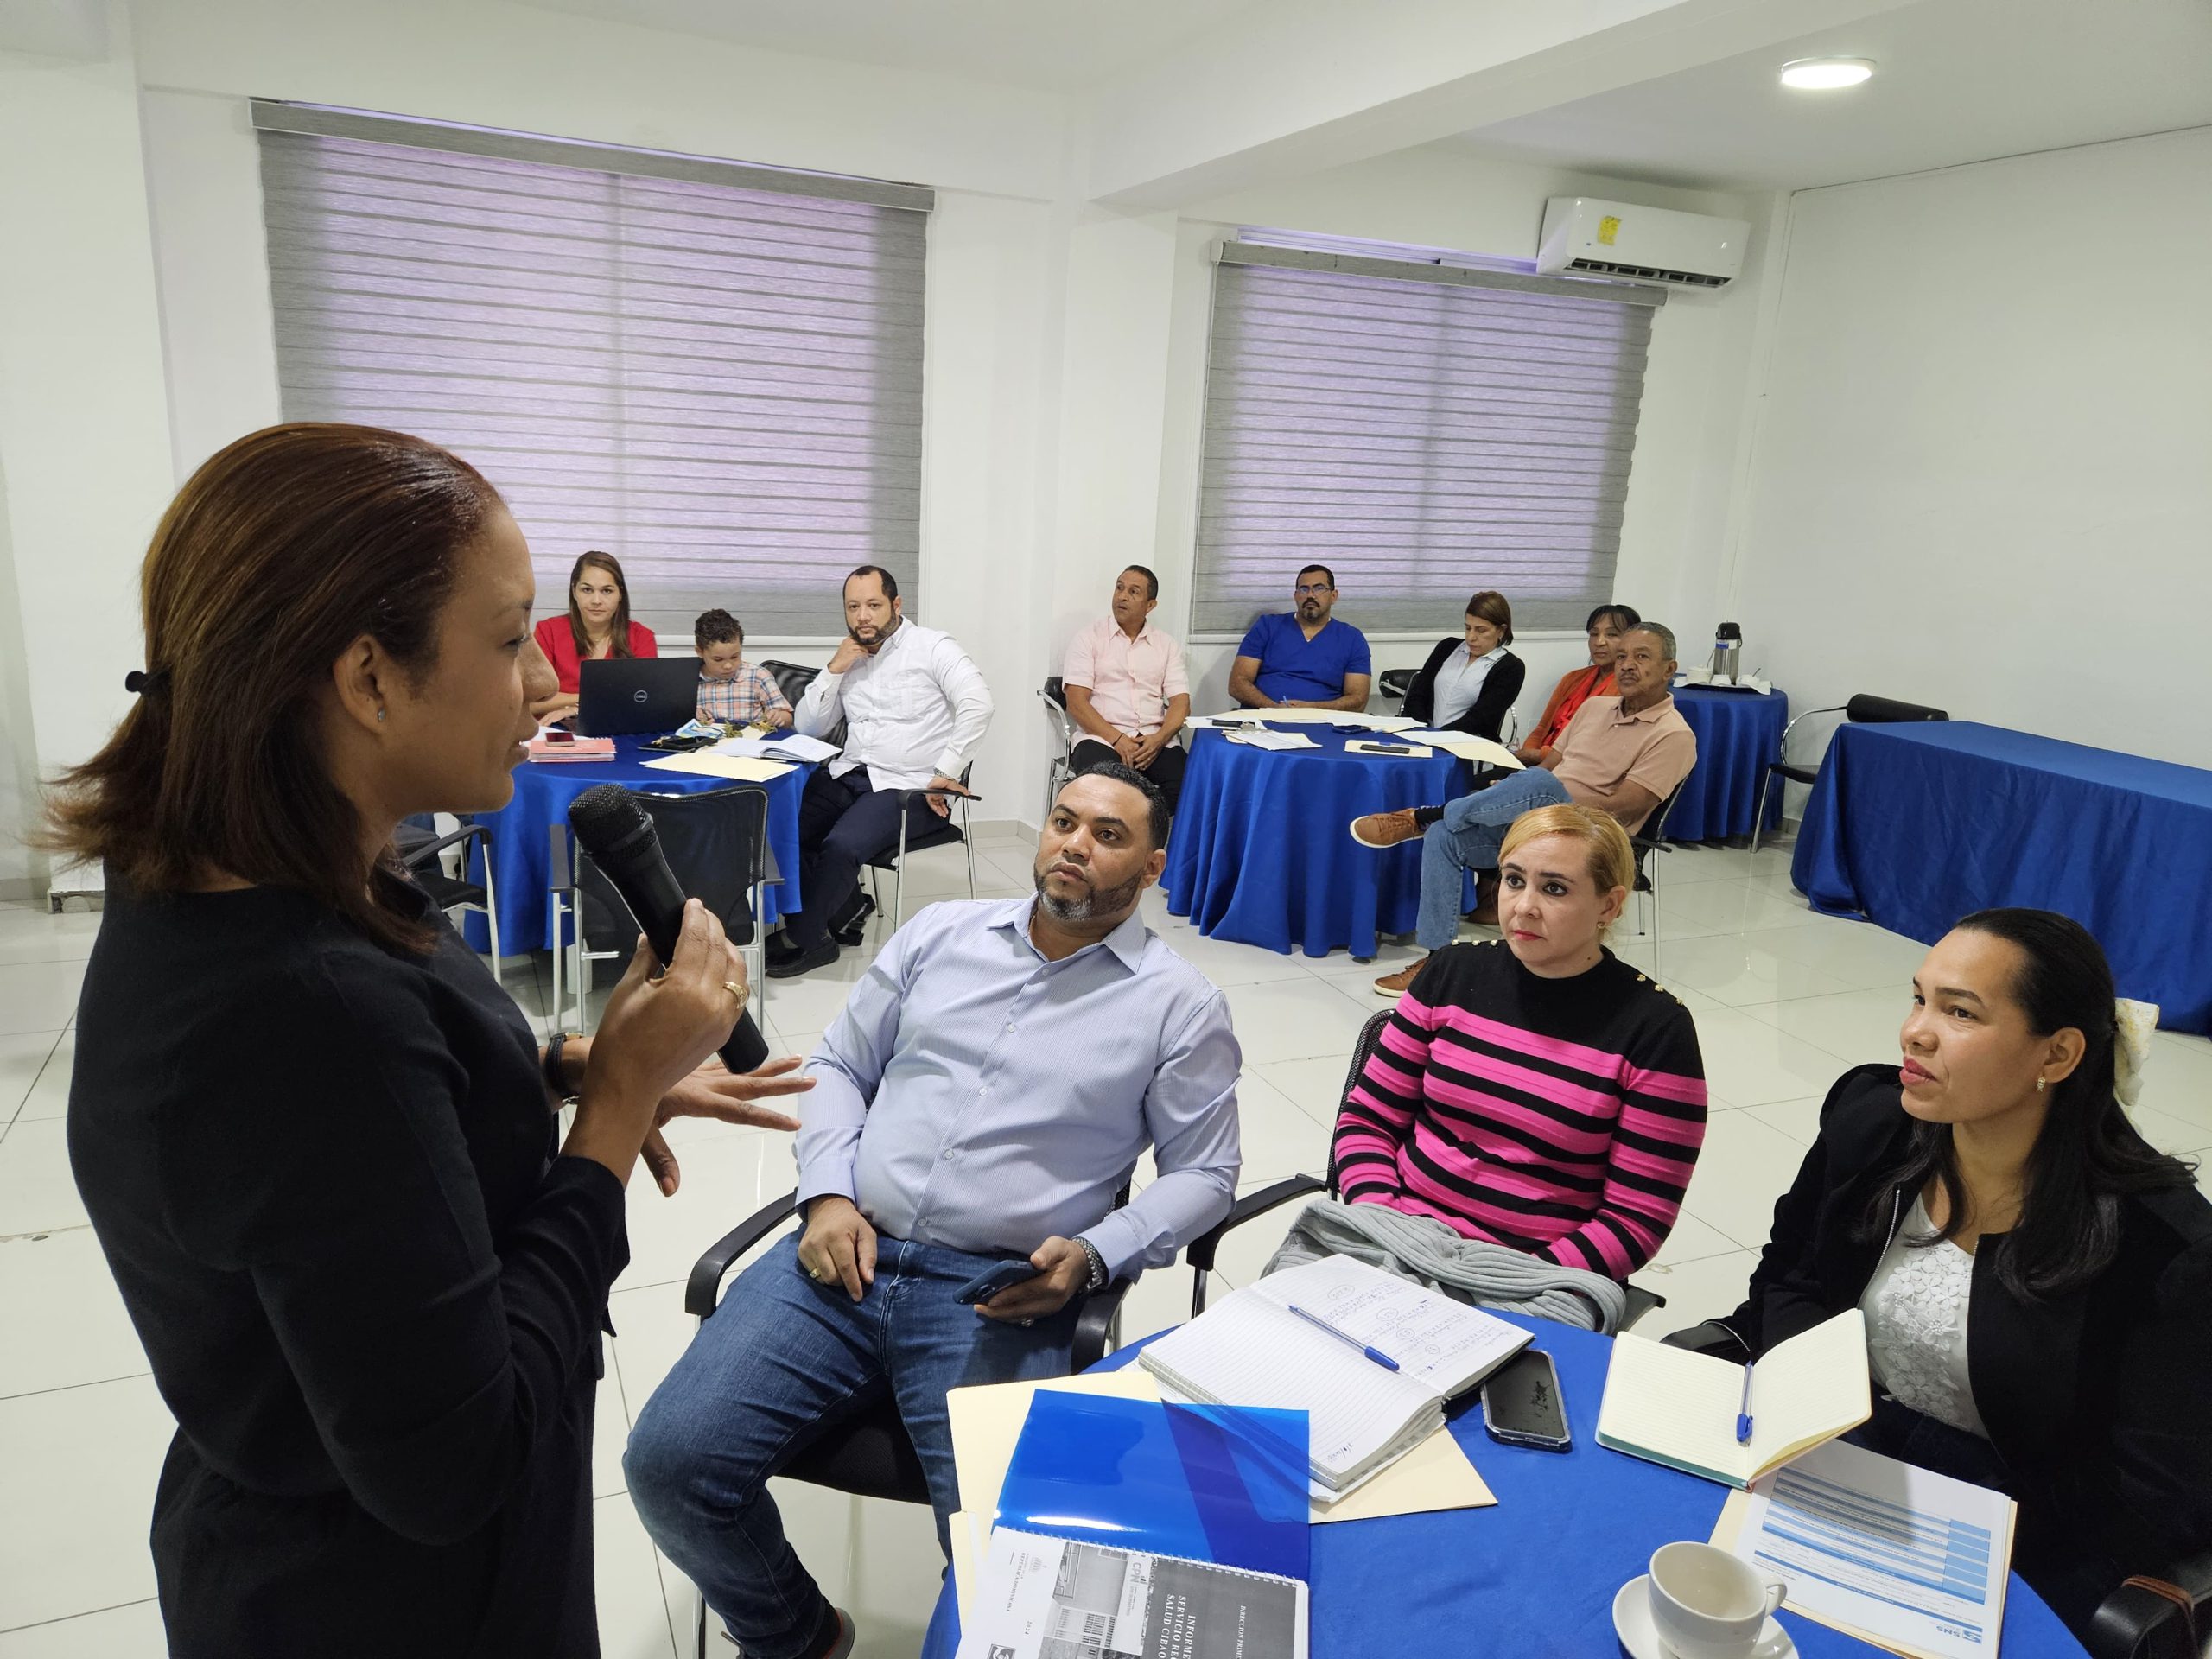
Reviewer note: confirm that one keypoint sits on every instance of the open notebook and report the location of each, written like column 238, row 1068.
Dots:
column 1680, row 1408
column 1250, row 1350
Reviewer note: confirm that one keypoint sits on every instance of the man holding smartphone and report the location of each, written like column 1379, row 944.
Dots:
column 982, row 1098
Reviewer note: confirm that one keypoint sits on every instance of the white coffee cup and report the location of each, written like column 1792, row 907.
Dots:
column 1707, row 1603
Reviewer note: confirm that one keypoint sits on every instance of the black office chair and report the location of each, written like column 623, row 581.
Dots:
column 938, row 832
column 2133, row 1622
column 1647, row 844
column 1864, row 710
column 716, row 843
column 792, row 678
column 869, row 1455
column 1203, row 1251
column 420, row 850
column 1054, row 695
column 1396, row 681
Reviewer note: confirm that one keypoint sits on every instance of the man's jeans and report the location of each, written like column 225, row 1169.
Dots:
column 782, row 1358
column 1467, row 837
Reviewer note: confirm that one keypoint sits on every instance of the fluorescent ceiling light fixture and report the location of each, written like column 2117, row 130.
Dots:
column 1826, row 74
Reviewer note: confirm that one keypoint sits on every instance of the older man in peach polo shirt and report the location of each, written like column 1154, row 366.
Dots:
column 1622, row 755
column 1127, row 692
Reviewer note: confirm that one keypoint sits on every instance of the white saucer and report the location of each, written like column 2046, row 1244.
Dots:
column 1633, row 1623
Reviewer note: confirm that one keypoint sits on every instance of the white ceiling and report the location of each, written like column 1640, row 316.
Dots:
column 1958, row 81
column 1047, row 45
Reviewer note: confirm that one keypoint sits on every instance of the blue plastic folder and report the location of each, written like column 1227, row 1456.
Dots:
column 1223, row 1484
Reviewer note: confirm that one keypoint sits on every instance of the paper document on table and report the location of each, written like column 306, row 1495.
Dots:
column 1042, row 1598
column 706, row 763
column 1274, row 739
column 797, row 746
column 1909, row 1560
column 1478, row 750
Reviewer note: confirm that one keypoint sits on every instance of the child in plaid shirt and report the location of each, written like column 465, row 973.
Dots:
column 732, row 691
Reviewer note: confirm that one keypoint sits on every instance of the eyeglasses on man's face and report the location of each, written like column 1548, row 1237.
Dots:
column 1314, row 589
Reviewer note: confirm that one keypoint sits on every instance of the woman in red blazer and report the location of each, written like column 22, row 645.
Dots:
column 598, row 624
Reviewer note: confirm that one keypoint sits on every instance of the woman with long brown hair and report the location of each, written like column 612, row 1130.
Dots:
column 316, row 1141
column 597, row 627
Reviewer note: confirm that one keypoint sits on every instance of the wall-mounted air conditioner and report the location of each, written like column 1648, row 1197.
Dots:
column 1589, row 238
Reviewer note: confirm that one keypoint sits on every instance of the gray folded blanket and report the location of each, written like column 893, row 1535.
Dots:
column 1469, row 1270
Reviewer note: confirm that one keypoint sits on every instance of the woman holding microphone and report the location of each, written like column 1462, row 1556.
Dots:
column 316, row 1141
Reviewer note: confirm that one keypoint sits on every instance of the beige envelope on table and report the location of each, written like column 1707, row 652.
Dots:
column 744, row 769
column 987, row 1421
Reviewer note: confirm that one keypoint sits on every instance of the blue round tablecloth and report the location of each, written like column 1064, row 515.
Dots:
column 521, row 846
column 1737, row 733
column 1260, row 852
column 1535, row 1576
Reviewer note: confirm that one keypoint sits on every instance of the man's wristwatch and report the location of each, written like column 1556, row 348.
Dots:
column 556, row 1081
column 1097, row 1279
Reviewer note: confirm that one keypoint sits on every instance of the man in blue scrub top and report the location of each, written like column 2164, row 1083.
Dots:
column 1303, row 659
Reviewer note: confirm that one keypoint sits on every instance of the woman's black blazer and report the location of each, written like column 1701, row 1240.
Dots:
column 1487, row 717
column 2099, row 1398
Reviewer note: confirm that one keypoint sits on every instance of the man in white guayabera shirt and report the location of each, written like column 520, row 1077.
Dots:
column 914, row 708
column 982, row 1099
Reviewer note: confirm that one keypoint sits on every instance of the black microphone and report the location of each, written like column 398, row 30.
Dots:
column 614, row 829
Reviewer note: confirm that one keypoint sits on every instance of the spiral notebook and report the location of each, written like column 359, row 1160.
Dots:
column 1251, row 1349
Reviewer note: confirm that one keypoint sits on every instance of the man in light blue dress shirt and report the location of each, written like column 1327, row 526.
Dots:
column 983, row 1098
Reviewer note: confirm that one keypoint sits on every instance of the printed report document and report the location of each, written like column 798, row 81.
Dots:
column 1251, row 1349
column 1681, row 1408
column 1901, row 1557
column 1053, row 1599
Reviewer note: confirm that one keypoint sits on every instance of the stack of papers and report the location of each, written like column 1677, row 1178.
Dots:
column 1909, row 1560
column 1306, row 717
column 544, row 747
column 1265, row 739
column 1252, row 1349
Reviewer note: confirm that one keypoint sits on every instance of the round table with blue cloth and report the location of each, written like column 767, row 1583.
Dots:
column 1261, row 854
column 521, row 843
column 1737, row 733
column 1534, row 1577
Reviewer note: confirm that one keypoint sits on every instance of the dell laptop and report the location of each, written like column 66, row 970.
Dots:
column 617, row 696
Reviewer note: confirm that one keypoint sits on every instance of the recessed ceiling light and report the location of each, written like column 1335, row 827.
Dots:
column 1826, row 74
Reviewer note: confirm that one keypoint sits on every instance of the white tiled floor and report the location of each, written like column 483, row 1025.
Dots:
column 1784, row 1000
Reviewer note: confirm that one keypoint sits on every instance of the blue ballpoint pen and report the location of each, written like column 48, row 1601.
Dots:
column 1744, row 1412
column 1375, row 1354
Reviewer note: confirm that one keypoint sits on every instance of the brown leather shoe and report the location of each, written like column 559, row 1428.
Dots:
column 1386, row 829
column 1393, row 984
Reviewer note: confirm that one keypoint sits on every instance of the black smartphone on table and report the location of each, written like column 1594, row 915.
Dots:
column 989, row 1283
column 1522, row 1404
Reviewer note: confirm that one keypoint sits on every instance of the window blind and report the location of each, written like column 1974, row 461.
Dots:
column 1424, row 431
column 701, row 368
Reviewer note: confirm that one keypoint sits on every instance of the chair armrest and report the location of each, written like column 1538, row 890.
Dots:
column 2136, row 1623
column 703, row 1289
column 1201, row 1250
column 1711, row 1338
column 1094, row 1325
column 415, row 857
column 908, row 797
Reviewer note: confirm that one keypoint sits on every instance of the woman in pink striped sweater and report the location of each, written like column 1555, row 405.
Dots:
column 1540, row 1093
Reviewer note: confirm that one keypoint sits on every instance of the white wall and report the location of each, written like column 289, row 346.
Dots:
column 1981, row 480
column 84, row 430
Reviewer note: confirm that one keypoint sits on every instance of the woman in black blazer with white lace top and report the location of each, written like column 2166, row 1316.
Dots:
column 1469, row 685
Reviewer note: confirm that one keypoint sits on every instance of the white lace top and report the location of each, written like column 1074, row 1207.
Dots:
column 1916, row 1308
